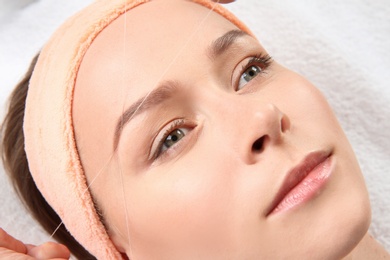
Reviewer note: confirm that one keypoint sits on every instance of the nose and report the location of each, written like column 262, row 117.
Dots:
column 268, row 126
column 261, row 128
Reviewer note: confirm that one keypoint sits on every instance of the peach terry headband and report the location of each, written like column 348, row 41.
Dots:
column 48, row 126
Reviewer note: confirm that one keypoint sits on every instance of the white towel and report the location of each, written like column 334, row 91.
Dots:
column 341, row 46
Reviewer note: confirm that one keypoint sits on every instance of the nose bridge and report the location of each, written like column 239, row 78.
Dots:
column 233, row 108
column 250, row 125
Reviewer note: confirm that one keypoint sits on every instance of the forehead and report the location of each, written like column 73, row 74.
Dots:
column 139, row 45
column 148, row 44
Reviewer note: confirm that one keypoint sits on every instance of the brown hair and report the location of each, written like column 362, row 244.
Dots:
column 16, row 165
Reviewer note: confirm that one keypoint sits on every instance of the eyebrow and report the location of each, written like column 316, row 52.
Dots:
column 166, row 90
column 223, row 43
column 163, row 93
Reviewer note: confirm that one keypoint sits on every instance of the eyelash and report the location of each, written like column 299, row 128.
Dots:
column 262, row 60
column 176, row 124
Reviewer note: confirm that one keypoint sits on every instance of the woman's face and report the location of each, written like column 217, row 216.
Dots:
column 202, row 168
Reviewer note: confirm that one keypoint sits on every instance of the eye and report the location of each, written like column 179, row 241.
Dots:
column 253, row 68
column 171, row 137
column 249, row 74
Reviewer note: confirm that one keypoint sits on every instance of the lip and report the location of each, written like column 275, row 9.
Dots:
column 302, row 182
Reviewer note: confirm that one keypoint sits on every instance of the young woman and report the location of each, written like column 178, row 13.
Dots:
column 149, row 146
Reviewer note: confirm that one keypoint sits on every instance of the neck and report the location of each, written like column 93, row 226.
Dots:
column 368, row 248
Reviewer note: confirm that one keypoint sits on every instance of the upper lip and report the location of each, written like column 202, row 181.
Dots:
column 297, row 174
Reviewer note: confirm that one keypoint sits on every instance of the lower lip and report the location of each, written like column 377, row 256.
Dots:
column 309, row 187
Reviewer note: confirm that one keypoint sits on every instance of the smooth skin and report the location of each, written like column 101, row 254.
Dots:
column 284, row 126
column 195, row 176
column 14, row 249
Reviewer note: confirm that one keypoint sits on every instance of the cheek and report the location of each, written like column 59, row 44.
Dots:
column 307, row 108
column 169, row 203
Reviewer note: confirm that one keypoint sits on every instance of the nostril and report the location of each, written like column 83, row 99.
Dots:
column 258, row 145
column 284, row 124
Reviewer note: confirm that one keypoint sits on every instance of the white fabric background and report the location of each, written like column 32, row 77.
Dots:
column 341, row 46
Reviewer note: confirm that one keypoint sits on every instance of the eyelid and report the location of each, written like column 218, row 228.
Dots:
column 158, row 140
column 263, row 60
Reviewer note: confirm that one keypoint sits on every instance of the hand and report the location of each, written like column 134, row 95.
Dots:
column 11, row 248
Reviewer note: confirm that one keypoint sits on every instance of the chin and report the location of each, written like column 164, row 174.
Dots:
column 343, row 229
column 345, row 211
column 350, row 231
column 329, row 227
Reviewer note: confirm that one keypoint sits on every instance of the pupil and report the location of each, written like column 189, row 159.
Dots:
column 251, row 72
column 173, row 137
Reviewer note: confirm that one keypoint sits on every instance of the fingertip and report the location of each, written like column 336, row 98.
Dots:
column 50, row 250
column 9, row 242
